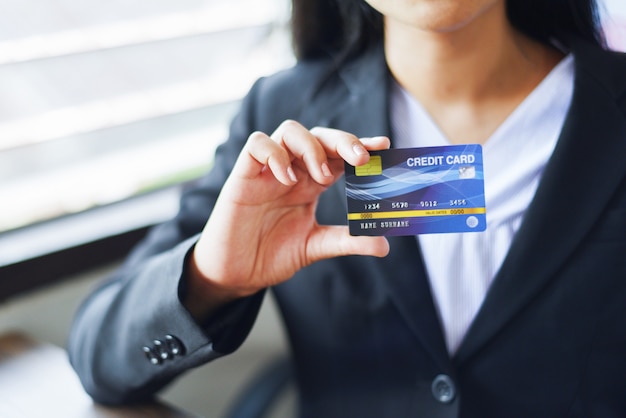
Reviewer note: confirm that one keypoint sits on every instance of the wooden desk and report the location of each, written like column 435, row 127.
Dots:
column 36, row 380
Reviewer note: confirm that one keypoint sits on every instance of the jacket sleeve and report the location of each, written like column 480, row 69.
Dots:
column 132, row 336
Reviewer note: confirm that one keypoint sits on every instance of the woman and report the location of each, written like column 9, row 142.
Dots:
column 524, row 319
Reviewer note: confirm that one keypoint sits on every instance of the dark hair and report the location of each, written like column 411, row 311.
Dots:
column 343, row 28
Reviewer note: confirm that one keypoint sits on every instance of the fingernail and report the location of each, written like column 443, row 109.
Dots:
column 292, row 175
column 326, row 170
column 371, row 139
column 359, row 149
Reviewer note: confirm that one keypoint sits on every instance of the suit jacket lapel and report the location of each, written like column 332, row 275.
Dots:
column 355, row 100
column 585, row 170
column 364, row 111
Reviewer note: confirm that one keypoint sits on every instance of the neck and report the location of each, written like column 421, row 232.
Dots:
column 449, row 65
column 478, row 72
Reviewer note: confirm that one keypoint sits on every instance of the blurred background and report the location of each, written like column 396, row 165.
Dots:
column 106, row 108
column 102, row 101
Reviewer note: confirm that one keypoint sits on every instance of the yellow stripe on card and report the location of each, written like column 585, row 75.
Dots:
column 415, row 213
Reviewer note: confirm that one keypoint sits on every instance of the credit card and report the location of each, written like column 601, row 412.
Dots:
column 410, row 191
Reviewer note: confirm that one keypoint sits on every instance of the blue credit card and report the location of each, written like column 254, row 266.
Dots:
column 414, row 191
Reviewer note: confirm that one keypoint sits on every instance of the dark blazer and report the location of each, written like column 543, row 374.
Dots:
column 548, row 341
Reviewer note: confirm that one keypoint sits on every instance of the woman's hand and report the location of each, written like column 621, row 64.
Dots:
column 263, row 227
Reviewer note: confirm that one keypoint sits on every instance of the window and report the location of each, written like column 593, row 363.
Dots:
column 105, row 101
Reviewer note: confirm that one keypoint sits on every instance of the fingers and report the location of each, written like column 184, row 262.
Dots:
column 304, row 146
column 354, row 150
column 292, row 142
column 261, row 153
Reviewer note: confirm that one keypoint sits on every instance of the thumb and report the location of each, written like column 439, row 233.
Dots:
column 334, row 241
